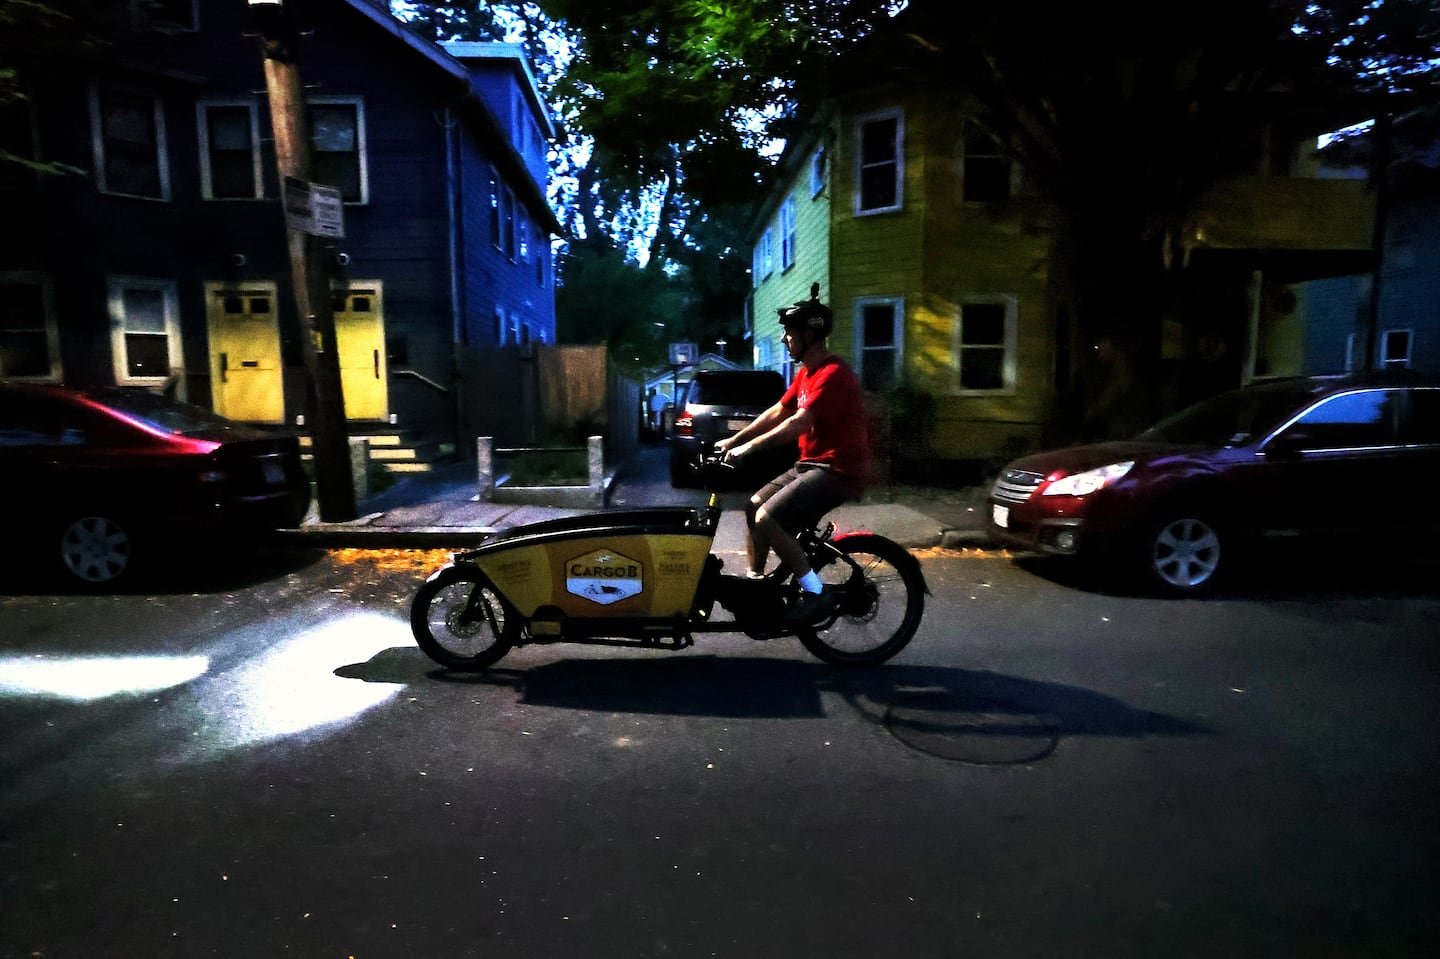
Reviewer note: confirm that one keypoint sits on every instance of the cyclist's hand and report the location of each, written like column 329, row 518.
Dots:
column 732, row 456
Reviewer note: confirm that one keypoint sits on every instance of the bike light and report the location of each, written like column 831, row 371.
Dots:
column 1083, row 484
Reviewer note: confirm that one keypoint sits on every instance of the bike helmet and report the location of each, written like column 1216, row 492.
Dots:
column 808, row 314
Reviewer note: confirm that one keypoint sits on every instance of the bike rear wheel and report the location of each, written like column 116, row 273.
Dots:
column 881, row 598
column 459, row 620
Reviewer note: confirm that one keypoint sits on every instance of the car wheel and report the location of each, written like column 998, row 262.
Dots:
column 96, row 550
column 1183, row 553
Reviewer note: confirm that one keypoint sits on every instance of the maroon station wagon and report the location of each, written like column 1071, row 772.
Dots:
column 95, row 480
column 1297, row 457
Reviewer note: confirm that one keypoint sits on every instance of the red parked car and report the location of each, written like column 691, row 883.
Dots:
column 97, row 480
column 1322, row 457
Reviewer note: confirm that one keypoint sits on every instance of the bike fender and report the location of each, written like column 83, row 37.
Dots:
column 906, row 557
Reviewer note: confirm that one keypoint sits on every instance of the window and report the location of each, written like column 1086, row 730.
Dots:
column 879, row 139
column 817, row 171
column 787, row 233
column 767, row 254
column 128, row 140
column 984, row 346
column 878, row 325
column 522, row 230
column 337, row 136
column 1395, row 348
column 1368, row 418
column 17, row 138
column 986, row 167
column 167, row 16
column 494, row 207
column 29, row 335
column 229, row 151
column 1422, row 426
column 144, row 330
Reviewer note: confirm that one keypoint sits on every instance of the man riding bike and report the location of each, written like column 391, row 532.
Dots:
column 824, row 411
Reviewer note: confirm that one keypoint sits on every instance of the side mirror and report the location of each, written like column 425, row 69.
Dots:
column 1290, row 444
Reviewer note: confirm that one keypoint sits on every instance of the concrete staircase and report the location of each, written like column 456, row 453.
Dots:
column 398, row 451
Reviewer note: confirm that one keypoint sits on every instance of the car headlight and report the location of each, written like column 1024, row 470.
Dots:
column 1083, row 484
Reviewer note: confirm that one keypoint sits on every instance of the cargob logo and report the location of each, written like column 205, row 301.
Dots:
column 604, row 577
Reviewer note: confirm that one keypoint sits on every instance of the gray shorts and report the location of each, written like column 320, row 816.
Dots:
column 800, row 497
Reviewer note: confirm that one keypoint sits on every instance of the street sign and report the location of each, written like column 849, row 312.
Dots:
column 314, row 208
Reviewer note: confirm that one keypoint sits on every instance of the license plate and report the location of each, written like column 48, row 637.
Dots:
column 274, row 472
column 736, row 425
column 1001, row 516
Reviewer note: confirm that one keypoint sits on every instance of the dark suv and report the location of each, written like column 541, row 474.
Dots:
column 717, row 404
column 1326, row 458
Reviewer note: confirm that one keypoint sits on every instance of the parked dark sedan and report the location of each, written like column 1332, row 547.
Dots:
column 717, row 404
column 97, row 480
column 1312, row 456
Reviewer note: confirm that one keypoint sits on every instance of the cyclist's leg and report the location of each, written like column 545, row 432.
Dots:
column 757, row 549
column 799, row 505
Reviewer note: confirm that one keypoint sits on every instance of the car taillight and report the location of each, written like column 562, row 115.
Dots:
column 685, row 424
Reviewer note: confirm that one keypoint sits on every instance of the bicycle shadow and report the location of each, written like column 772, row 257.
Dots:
column 968, row 715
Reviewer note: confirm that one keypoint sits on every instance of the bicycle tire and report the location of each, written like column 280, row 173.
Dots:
column 460, row 622
column 881, row 595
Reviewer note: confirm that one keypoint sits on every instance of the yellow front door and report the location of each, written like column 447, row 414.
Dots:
column 360, row 341
column 245, row 371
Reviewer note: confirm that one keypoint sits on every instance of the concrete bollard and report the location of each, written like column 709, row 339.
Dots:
column 485, row 466
column 360, row 466
column 596, row 450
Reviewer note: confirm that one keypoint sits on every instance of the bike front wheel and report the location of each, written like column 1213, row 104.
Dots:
column 459, row 620
column 880, row 595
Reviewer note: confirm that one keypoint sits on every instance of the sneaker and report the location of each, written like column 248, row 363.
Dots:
column 811, row 607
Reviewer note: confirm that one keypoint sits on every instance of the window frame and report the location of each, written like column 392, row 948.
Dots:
column 896, row 346
column 788, row 236
column 999, row 155
column 861, row 122
column 50, row 324
column 1383, row 357
column 202, row 130
column 817, row 171
column 97, row 141
column 362, row 147
column 767, row 253
column 116, row 286
column 1008, row 345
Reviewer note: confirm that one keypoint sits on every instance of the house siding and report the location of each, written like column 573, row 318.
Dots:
column 424, row 221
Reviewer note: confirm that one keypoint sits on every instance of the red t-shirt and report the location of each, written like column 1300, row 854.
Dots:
column 837, row 415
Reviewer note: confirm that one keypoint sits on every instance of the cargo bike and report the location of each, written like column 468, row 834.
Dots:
column 648, row 578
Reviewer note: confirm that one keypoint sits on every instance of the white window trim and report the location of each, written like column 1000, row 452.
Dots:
column 898, row 115
column 817, row 171
column 1008, row 364
column 1382, row 362
column 897, row 308
column 116, row 285
column 52, row 325
column 788, row 237
column 202, row 126
column 97, row 141
column 362, row 145
column 767, row 254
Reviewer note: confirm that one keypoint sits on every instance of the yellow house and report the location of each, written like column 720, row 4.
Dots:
column 937, row 262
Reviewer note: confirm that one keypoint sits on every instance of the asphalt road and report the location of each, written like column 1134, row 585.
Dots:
column 257, row 761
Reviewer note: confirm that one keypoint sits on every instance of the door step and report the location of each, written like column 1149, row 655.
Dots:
column 398, row 451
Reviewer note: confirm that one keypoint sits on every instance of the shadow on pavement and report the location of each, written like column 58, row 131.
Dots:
column 958, row 714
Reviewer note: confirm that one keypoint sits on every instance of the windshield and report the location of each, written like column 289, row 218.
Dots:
column 1230, row 419
column 164, row 415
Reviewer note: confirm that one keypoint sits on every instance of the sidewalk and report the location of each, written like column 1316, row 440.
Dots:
column 440, row 510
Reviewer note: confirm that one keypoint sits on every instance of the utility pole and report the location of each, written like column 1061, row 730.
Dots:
column 325, row 414
column 1380, row 177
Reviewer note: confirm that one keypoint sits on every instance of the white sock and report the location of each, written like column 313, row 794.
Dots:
column 811, row 583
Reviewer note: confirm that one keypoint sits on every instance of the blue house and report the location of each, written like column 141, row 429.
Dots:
column 162, row 262
column 1405, row 329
